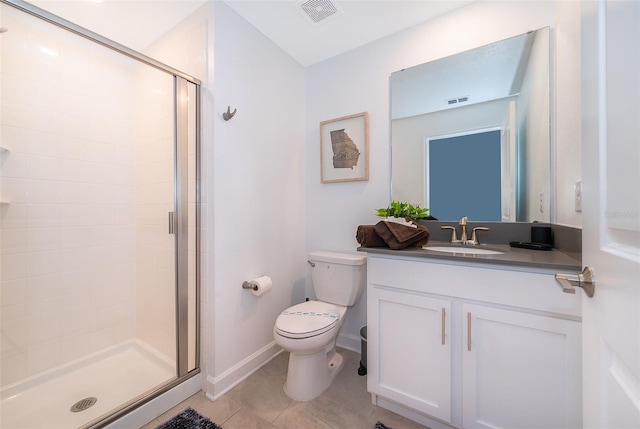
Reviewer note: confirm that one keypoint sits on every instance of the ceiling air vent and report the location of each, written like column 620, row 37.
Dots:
column 458, row 100
column 319, row 11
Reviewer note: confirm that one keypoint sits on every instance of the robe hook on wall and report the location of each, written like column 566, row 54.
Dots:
column 229, row 114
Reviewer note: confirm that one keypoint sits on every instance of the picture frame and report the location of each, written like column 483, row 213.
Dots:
column 344, row 149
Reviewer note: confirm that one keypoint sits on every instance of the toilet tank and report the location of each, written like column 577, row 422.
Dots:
column 338, row 278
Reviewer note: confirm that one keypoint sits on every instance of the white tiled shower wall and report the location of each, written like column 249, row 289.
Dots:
column 70, row 219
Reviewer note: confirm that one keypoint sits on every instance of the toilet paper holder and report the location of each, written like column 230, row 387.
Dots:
column 249, row 285
column 259, row 285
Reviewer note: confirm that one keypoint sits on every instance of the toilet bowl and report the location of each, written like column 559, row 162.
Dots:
column 308, row 331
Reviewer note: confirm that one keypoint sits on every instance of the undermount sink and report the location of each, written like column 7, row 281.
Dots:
column 468, row 250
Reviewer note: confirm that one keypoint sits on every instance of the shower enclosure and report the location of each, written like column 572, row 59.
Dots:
column 99, row 224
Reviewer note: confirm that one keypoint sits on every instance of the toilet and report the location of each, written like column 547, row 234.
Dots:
column 308, row 331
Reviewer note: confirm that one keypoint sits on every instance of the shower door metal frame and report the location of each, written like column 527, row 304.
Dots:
column 181, row 81
column 182, row 210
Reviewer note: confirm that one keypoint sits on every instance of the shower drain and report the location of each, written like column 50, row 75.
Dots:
column 83, row 404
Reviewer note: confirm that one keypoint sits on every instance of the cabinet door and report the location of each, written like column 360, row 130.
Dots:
column 409, row 343
column 519, row 370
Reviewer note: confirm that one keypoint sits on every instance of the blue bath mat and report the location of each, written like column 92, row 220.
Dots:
column 189, row 419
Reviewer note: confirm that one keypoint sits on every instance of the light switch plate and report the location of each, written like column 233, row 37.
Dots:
column 578, row 196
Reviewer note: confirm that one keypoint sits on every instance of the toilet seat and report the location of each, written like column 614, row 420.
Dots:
column 308, row 319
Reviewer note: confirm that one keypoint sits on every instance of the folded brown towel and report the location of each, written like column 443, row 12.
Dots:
column 368, row 237
column 398, row 236
column 425, row 239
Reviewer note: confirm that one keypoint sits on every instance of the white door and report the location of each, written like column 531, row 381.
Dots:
column 611, row 212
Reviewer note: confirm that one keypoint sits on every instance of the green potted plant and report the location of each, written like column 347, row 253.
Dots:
column 401, row 209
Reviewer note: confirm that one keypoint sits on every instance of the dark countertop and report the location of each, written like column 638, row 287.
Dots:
column 511, row 256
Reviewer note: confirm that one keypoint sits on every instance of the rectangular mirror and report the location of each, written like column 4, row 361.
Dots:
column 470, row 133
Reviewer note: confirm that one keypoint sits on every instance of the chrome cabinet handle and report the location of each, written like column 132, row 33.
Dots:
column 469, row 331
column 585, row 280
column 443, row 326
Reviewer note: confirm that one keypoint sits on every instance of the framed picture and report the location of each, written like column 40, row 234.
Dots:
column 344, row 149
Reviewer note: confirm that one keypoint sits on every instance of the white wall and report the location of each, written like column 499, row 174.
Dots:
column 359, row 81
column 258, row 209
column 566, row 111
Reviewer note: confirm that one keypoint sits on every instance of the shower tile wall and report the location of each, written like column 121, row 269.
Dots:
column 69, row 221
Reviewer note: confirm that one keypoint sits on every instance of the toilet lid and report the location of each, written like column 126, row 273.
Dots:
column 307, row 319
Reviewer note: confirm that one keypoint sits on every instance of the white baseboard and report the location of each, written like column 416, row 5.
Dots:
column 349, row 342
column 218, row 386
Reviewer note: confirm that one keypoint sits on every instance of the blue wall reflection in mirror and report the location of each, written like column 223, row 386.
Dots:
column 464, row 176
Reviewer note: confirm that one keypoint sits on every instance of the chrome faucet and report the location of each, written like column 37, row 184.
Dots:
column 464, row 239
column 463, row 234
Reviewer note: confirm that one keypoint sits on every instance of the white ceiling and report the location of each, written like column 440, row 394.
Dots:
column 137, row 23
column 361, row 22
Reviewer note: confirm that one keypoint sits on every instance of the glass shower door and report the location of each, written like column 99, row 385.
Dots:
column 89, row 173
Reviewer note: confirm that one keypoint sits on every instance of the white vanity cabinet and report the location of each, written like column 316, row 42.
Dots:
column 473, row 346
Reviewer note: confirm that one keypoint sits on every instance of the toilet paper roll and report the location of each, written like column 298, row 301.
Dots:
column 260, row 285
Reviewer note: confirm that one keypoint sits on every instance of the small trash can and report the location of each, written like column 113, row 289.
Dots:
column 363, row 351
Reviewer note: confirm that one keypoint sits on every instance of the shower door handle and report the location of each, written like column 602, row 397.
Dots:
column 172, row 223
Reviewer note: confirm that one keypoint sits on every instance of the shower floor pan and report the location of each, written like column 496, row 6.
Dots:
column 114, row 377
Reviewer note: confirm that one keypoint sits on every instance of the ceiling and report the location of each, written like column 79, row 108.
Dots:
column 137, row 23
column 355, row 24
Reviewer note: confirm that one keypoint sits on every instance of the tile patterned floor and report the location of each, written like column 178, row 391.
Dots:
column 259, row 402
